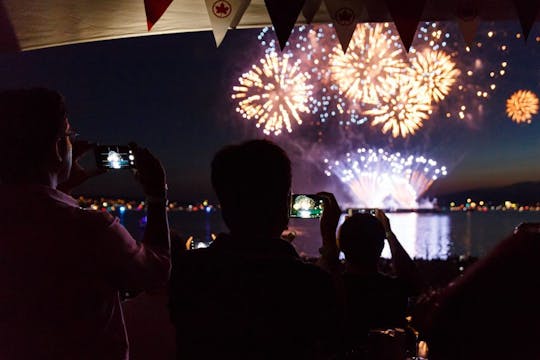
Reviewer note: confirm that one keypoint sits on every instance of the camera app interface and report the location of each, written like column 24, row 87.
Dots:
column 306, row 206
column 116, row 157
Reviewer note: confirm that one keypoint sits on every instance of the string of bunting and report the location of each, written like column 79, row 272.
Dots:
column 345, row 14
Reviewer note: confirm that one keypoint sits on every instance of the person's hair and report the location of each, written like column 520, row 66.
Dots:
column 361, row 238
column 30, row 122
column 252, row 181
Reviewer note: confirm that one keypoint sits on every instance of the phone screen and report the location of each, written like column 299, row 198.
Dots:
column 351, row 212
column 114, row 157
column 306, row 206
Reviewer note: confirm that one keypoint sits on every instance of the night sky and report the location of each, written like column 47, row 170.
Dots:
column 171, row 93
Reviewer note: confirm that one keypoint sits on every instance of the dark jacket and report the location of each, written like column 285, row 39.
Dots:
column 252, row 299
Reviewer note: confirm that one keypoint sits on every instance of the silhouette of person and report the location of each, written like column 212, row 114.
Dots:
column 249, row 295
column 61, row 266
column 491, row 312
column 373, row 300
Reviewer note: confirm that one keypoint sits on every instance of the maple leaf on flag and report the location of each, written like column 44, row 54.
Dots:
column 222, row 9
column 345, row 16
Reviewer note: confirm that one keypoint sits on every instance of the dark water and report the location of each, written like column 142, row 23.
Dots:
column 426, row 236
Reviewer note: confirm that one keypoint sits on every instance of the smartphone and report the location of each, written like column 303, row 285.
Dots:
column 306, row 206
column 114, row 157
column 351, row 212
column 198, row 244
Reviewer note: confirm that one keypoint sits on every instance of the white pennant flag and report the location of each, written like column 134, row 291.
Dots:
column 223, row 14
column 345, row 15
column 241, row 10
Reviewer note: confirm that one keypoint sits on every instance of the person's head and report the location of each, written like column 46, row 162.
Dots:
column 252, row 181
column 34, row 136
column 361, row 238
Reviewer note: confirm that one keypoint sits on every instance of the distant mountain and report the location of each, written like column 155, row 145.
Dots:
column 523, row 193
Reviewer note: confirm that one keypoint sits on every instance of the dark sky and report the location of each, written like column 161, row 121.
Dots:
column 171, row 93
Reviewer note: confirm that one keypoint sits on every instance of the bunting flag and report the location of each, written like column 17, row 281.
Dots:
column 8, row 38
column 468, row 20
column 468, row 28
column 310, row 9
column 283, row 14
column 406, row 16
column 345, row 15
column 527, row 11
column 241, row 10
column 154, row 10
column 222, row 14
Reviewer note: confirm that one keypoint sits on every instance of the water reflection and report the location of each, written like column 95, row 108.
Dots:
column 426, row 236
column 432, row 236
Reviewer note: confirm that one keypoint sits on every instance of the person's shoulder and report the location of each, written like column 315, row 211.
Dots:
column 94, row 219
column 194, row 258
column 310, row 272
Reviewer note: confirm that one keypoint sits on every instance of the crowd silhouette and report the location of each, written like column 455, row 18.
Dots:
column 249, row 295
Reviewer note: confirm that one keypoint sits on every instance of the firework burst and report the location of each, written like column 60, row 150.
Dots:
column 403, row 111
column 273, row 93
column 436, row 71
column 374, row 58
column 521, row 106
column 378, row 179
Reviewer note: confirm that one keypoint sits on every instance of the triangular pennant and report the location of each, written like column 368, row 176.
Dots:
column 241, row 10
column 154, row 10
column 222, row 13
column 283, row 14
column 345, row 15
column 468, row 28
column 8, row 38
column 468, row 19
column 310, row 9
column 406, row 16
column 527, row 11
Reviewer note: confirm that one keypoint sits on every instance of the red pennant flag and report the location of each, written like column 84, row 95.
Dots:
column 154, row 9
column 468, row 29
column 283, row 14
column 468, row 19
column 310, row 9
column 406, row 15
column 527, row 11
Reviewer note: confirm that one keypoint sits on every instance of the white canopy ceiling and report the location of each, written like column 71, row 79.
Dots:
column 37, row 24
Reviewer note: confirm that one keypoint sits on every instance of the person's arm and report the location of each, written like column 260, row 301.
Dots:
column 138, row 266
column 404, row 266
column 329, row 251
column 151, row 176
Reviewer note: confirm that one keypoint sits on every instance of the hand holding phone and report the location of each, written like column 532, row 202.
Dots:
column 306, row 206
column 149, row 172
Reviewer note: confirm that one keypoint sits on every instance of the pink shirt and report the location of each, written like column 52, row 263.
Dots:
column 60, row 271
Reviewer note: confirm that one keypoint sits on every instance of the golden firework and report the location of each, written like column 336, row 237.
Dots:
column 435, row 70
column 521, row 106
column 404, row 111
column 369, row 68
column 274, row 93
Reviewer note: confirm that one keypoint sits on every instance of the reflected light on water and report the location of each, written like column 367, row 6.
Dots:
column 426, row 239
